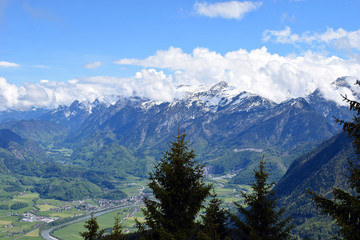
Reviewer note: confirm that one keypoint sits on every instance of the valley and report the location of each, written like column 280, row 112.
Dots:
column 40, row 215
column 201, row 119
column 227, row 193
column 95, row 156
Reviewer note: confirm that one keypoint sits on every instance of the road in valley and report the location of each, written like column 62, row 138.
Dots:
column 46, row 233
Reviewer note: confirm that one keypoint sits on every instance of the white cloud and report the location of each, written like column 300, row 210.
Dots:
column 232, row 9
column 8, row 64
column 340, row 38
column 282, row 36
column 8, row 94
column 147, row 83
column 92, row 65
column 269, row 75
column 258, row 71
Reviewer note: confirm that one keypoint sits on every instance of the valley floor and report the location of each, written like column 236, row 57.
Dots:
column 25, row 223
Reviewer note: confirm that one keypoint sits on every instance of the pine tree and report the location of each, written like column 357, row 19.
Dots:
column 116, row 233
column 214, row 221
column 179, row 189
column 262, row 220
column 92, row 232
column 345, row 207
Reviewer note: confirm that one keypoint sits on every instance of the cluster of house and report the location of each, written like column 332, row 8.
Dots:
column 82, row 205
column 30, row 217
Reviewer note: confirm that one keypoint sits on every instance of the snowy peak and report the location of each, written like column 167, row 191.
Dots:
column 198, row 101
column 222, row 97
column 219, row 87
column 341, row 82
column 219, row 97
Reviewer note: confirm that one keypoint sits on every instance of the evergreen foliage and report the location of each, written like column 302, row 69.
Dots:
column 4, row 207
column 19, row 205
column 93, row 232
column 179, row 189
column 68, row 189
column 116, row 233
column 262, row 220
column 320, row 170
column 345, row 207
column 116, row 194
column 214, row 221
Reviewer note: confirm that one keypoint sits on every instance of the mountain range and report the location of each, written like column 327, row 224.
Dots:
column 229, row 130
column 88, row 145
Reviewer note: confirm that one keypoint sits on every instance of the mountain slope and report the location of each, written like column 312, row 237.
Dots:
column 42, row 132
column 321, row 170
column 223, row 124
column 14, row 115
column 20, row 148
column 23, row 164
column 229, row 129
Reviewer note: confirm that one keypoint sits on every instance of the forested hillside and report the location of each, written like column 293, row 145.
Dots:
column 320, row 170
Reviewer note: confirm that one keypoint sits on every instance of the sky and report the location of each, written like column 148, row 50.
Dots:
column 54, row 52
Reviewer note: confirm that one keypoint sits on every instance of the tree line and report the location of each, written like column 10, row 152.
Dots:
column 180, row 191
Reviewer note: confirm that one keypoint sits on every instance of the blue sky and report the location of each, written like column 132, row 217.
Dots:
column 52, row 51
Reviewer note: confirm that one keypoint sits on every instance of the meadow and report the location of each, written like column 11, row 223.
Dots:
column 227, row 193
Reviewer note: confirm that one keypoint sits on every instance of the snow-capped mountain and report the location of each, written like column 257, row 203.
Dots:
column 223, row 124
column 330, row 109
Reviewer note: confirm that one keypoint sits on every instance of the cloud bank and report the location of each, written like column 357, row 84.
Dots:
column 232, row 9
column 270, row 75
column 147, row 83
column 258, row 71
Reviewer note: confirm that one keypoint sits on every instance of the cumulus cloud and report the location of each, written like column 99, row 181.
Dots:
column 92, row 65
column 258, row 71
column 147, row 83
column 270, row 75
column 8, row 64
column 9, row 94
column 340, row 38
column 232, row 9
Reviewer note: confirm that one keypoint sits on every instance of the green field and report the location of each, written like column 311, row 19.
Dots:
column 33, row 235
column 11, row 226
column 105, row 221
column 227, row 193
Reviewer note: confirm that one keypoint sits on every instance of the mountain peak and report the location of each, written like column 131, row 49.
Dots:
column 219, row 86
column 341, row 82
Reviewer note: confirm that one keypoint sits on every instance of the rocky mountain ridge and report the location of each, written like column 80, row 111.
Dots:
column 219, row 120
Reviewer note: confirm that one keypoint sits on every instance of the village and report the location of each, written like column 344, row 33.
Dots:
column 84, row 207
